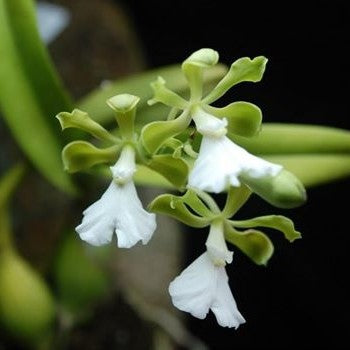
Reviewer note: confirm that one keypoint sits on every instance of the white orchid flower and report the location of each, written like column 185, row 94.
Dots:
column 119, row 210
column 203, row 285
column 221, row 162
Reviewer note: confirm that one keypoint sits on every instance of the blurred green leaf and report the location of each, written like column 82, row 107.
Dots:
column 8, row 184
column 80, row 282
column 139, row 85
column 30, row 91
column 275, row 138
column 315, row 169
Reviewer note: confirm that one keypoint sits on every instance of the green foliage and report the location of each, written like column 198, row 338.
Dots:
column 30, row 91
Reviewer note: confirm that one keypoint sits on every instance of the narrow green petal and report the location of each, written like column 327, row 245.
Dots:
column 277, row 222
column 174, row 206
column 243, row 118
column 244, row 69
column 255, row 244
column 81, row 155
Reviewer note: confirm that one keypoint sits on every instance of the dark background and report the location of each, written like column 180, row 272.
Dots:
column 300, row 299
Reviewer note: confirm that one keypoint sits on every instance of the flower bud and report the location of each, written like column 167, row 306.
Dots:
column 283, row 190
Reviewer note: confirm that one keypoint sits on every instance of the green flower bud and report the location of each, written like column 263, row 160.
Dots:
column 283, row 190
column 26, row 305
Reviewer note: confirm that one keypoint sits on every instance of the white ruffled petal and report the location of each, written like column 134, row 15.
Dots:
column 194, row 289
column 220, row 163
column 203, row 286
column 119, row 210
column 224, row 306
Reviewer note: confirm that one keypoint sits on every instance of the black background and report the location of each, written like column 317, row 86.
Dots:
column 300, row 298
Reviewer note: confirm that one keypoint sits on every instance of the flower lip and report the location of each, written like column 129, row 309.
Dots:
column 221, row 163
column 201, row 287
column 119, row 211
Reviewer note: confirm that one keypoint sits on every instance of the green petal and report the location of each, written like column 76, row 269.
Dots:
column 277, row 222
column 174, row 206
column 255, row 244
column 164, row 95
column 236, row 198
column 81, row 155
column 175, row 170
column 155, row 134
column 81, row 120
column 244, row 69
column 243, row 118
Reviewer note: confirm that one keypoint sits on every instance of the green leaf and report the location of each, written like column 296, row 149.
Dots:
column 283, row 190
column 81, row 155
column 80, row 282
column 30, row 91
column 81, row 120
column 277, row 222
column 8, row 184
column 174, row 206
column 244, row 69
column 154, row 135
column 284, row 139
column 139, row 85
column 255, row 244
column 175, row 170
column 243, row 118
column 315, row 169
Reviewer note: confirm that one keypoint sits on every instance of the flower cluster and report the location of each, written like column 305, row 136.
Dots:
column 194, row 150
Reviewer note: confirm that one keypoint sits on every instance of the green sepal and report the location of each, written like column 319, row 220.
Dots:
column 175, row 170
column 175, row 207
column 236, row 197
column 154, row 135
column 203, row 58
column 81, row 120
column 277, row 222
column 244, row 69
column 284, row 190
column 81, row 155
column 243, row 118
column 125, row 107
column 164, row 95
column 193, row 70
column 255, row 244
